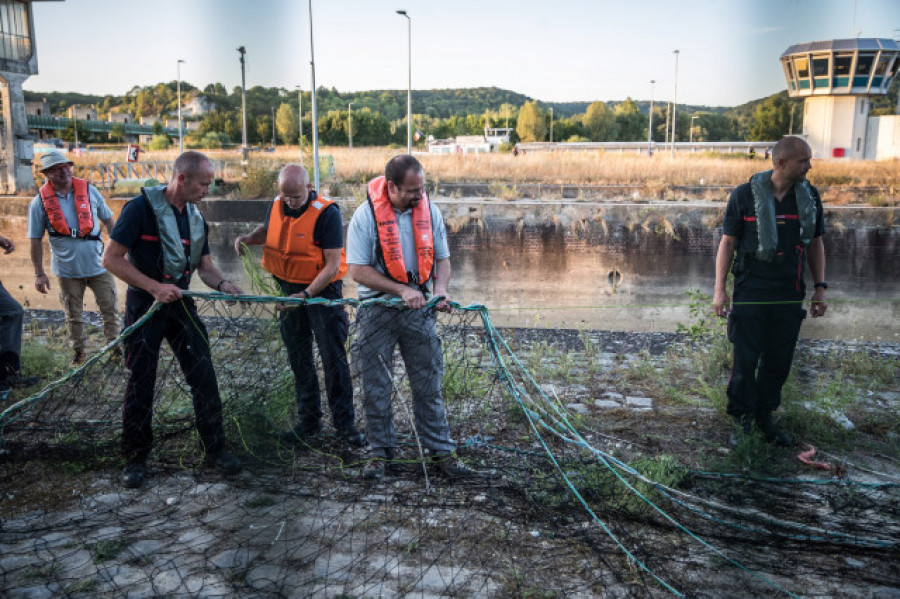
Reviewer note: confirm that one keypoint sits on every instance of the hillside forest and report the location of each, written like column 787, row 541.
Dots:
column 379, row 117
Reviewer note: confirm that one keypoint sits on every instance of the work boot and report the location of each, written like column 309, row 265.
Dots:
column 379, row 465
column 351, row 436
column 771, row 432
column 78, row 358
column 301, row 434
column 134, row 472
column 742, row 427
column 17, row 380
column 449, row 465
column 224, row 462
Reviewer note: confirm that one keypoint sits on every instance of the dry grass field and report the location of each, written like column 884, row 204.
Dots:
column 575, row 168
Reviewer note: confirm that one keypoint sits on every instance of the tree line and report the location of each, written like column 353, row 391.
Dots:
column 378, row 117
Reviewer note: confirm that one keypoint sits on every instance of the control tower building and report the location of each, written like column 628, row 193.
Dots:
column 837, row 78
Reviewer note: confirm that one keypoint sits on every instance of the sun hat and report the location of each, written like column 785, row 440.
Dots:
column 52, row 158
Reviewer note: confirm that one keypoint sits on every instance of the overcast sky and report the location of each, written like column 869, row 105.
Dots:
column 559, row 50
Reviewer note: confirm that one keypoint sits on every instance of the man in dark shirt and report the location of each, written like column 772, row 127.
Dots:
column 304, row 250
column 772, row 225
column 165, row 239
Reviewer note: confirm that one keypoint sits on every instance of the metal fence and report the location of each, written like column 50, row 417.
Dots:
column 106, row 175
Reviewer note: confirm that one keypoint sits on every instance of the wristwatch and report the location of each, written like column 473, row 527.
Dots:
column 306, row 294
column 823, row 285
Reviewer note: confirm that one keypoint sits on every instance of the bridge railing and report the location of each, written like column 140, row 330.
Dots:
column 106, row 174
column 51, row 123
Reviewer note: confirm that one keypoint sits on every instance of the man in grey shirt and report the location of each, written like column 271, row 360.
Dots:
column 397, row 248
column 71, row 210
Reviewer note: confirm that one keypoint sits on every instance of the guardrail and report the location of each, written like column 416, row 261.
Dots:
column 51, row 123
column 106, row 175
column 640, row 147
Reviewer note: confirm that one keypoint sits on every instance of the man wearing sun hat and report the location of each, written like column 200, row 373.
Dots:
column 70, row 210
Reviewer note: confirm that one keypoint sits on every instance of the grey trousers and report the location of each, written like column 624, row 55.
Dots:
column 380, row 329
column 11, row 318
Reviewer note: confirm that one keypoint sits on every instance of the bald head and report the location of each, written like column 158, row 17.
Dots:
column 293, row 173
column 293, row 183
column 787, row 148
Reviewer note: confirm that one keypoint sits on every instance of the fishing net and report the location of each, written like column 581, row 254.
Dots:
column 595, row 472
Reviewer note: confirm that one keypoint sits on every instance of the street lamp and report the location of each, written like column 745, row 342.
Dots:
column 409, row 82
column 315, row 123
column 180, row 134
column 650, row 124
column 350, row 123
column 674, row 103
column 693, row 116
column 300, row 120
column 244, row 149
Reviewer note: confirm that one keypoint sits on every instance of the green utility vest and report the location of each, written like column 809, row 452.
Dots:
column 764, row 205
column 174, row 261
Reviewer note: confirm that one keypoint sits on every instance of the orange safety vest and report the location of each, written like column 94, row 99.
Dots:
column 58, row 224
column 289, row 252
column 391, row 252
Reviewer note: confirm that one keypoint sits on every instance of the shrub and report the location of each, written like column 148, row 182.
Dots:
column 260, row 182
column 159, row 142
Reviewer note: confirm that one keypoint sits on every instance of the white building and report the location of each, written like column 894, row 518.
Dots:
column 82, row 113
column 837, row 77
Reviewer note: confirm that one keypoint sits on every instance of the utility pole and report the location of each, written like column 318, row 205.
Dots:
column 245, row 151
column 315, row 122
column 409, row 81
column 675, row 102
column 668, row 107
column 273, row 128
column 180, row 129
column 350, row 123
column 650, row 124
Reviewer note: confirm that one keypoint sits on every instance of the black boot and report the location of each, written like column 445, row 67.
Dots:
column 770, row 430
column 741, row 428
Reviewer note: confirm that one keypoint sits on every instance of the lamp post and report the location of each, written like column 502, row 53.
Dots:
column 180, row 129
column 315, row 123
column 273, row 128
column 693, row 116
column 409, row 82
column 674, row 104
column 650, row 123
column 350, row 123
column 244, row 149
column 300, row 120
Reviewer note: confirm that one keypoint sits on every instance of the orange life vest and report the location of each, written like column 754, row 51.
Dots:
column 390, row 252
column 58, row 224
column 289, row 252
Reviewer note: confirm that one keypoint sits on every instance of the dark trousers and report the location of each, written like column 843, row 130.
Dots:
column 328, row 325
column 11, row 318
column 179, row 324
column 764, row 337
